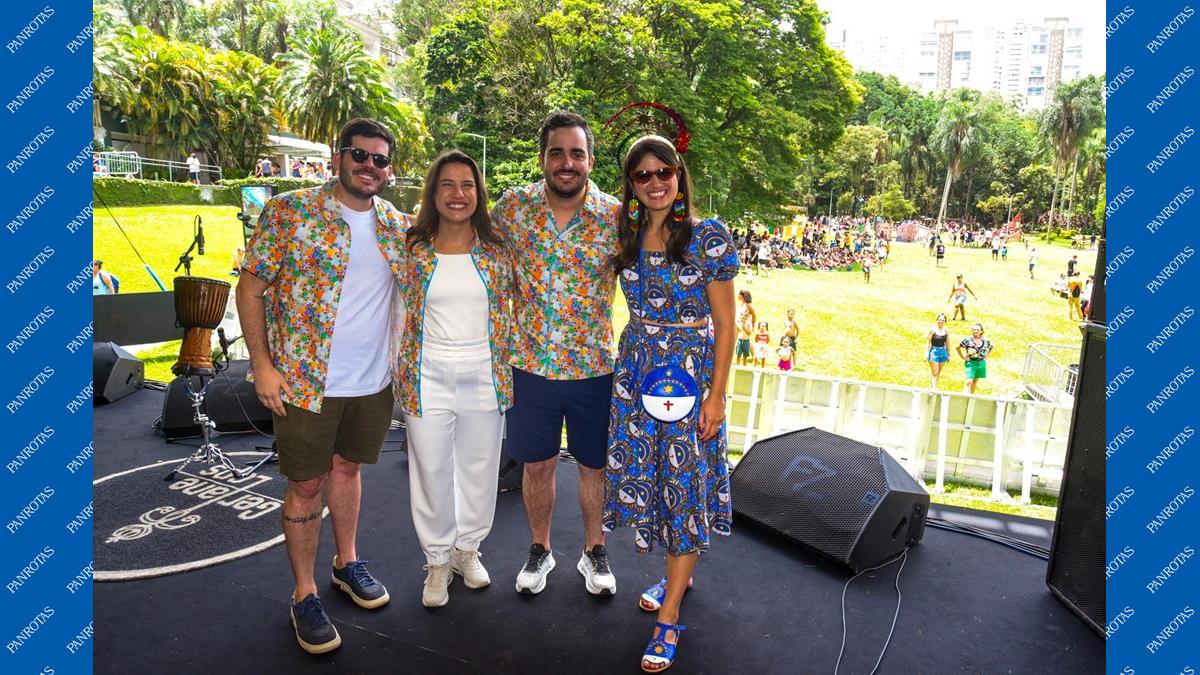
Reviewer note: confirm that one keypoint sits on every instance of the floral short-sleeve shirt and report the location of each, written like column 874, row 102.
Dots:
column 977, row 350
column 564, row 286
column 301, row 248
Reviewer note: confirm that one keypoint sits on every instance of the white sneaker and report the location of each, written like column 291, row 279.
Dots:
column 437, row 584
column 597, row 576
column 532, row 578
column 466, row 564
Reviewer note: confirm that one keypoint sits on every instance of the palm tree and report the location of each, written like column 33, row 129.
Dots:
column 1076, row 108
column 328, row 79
column 955, row 137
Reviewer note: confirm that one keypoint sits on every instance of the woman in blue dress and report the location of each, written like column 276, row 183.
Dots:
column 668, row 476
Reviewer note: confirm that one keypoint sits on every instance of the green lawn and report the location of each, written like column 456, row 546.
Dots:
column 161, row 234
column 848, row 328
column 876, row 332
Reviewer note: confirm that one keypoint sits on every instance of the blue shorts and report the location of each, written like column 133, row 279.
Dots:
column 540, row 407
column 938, row 355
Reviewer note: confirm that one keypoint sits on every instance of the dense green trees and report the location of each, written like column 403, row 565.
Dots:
column 778, row 120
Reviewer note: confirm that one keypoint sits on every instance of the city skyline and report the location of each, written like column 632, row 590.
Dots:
column 1013, row 50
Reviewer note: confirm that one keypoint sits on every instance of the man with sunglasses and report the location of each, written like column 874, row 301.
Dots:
column 319, row 309
column 563, row 230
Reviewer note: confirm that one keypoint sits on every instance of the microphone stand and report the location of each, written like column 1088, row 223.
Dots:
column 185, row 260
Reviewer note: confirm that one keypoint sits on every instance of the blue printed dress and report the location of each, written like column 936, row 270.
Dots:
column 662, row 481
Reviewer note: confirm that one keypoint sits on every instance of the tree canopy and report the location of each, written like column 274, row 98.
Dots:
column 778, row 120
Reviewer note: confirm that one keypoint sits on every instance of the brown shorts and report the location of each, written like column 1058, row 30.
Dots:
column 353, row 427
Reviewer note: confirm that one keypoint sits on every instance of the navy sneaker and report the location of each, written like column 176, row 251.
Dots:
column 314, row 630
column 356, row 581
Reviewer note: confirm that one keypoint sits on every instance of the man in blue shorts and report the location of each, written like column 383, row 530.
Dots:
column 563, row 230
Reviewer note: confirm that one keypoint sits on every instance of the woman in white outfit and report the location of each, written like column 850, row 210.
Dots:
column 455, row 383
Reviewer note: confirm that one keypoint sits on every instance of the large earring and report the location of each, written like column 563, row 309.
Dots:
column 634, row 212
column 680, row 208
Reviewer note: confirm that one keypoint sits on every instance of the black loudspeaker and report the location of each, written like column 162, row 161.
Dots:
column 1096, row 310
column 230, row 403
column 115, row 373
column 1076, row 570
column 846, row 500
column 512, row 473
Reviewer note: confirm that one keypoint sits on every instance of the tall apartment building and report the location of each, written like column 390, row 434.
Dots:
column 1021, row 61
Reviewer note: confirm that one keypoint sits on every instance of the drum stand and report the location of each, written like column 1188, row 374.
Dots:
column 209, row 451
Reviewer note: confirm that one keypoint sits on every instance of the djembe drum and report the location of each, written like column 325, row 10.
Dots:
column 199, row 308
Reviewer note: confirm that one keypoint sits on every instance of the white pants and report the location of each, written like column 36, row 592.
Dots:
column 454, row 449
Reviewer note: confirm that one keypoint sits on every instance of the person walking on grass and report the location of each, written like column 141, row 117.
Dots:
column 787, row 353
column 1033, row 259
column 974, row 352
column 936, row 352
column 958, row 293
column 745, row 327
column 762, row 345
column 1074, row 296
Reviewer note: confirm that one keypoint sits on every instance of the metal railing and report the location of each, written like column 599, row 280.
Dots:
column 130, row 164
column 127, row 164
column 1051, row 372
column 935, row 435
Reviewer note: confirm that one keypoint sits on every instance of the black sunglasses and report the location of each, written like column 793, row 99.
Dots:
column 359, row 155
column 664, row 173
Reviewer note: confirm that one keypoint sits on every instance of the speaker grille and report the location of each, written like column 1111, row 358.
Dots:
column 1076, row 570
column 812, row 486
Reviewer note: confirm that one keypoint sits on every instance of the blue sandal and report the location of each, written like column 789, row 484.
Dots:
column 652, row 598
column 659, row 652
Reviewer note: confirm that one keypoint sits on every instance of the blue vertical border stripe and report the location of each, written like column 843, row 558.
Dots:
column 45, row 397
column 1152, row 388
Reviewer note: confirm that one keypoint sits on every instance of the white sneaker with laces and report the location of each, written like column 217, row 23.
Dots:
column 436, row 592
column 532, row 578
column 466, row 564
column 597, row 576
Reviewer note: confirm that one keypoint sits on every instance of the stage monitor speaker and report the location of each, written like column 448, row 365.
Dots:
column 512, row 473
column 1076, row 570
column 230, row 402
column 846, row 500
column 1096, row 305
column 115, row 373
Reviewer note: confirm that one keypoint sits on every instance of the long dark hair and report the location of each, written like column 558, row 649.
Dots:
column 426, row 226
column 628, row 238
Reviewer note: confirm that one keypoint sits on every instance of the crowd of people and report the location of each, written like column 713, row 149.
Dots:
column 507, row 324
column 825, row 244
column 266, row 167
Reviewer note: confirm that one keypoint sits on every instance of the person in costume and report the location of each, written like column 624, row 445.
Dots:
column 668, row 475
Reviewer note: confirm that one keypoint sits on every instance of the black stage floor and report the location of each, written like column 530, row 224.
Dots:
column 759, row 605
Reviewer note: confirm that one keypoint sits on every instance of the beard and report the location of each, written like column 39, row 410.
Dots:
column 346, row 179
column 566, row 193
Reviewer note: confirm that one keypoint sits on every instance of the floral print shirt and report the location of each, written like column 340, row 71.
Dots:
column 565, row 286
column 301, row 248
column 494, row 265
column 976, row 350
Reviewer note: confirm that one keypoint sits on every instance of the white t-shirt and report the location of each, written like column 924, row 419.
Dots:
column 358, row 363
column 456, row 304
column 193, row 164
